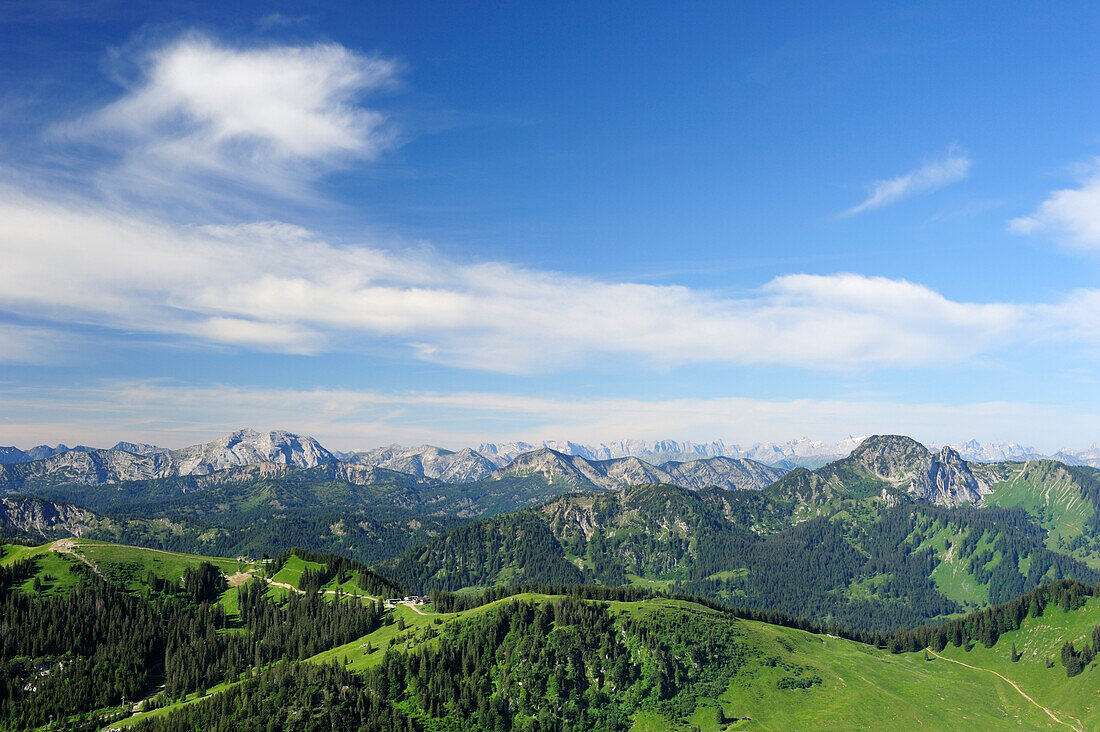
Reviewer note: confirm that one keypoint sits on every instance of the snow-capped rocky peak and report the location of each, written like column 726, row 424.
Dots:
column 995, row 451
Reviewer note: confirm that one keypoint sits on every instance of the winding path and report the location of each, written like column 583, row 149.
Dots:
column 1017, row 688
column 68, row 546
column 284, row 585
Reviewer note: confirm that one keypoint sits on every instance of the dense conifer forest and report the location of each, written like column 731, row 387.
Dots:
column 96, row 644
column 82, row 649
column 507, row 670
column 806, row 570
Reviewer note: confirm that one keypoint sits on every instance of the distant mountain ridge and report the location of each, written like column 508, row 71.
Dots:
column 12, row 455
column 1000, row 451
column 575, row 465
column 427, row 461
column 579, row 473
column 794, row 452
column 243, row 448
column 87, row 466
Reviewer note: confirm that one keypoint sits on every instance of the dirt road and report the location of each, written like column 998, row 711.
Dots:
column 1012, row 683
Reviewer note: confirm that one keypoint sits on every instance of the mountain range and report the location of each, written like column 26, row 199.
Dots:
column 502, row 479
column 470, row 464
column 792, row 453
column 91, row 467
column 894, row 534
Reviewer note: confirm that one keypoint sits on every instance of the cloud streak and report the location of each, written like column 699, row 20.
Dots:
column 951, row 168
column 176, row 415
column 27, row 345
column 277, row 287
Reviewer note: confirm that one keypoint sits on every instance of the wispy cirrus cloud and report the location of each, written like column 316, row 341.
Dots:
column 21, row 344
column 951, row 168
column 1071, row 215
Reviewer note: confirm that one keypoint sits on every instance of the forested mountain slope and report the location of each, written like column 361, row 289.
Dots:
column 860, row 541
column 370, row 512
column 208, row 644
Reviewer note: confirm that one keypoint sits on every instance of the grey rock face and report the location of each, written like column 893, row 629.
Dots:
column 723, row 472
column 36, row 516
column 96, row 467
column 948, row 481
column 943, row 478
column 428, row 461
column 245, row 447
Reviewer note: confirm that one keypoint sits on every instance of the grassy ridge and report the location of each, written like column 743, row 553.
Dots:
column 1051, row 493
column 860, row 687
column 853, row 686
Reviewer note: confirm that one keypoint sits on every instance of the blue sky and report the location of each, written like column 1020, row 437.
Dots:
column 429, row 222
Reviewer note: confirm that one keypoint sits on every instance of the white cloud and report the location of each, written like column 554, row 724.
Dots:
column 279, row 337
column 267, row 117
column 175, row 415
column 951, row 168
column 1071, row 215
column 274, row 286
column 28, row 345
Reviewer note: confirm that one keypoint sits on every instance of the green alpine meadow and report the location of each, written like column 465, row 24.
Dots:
column 106, row 636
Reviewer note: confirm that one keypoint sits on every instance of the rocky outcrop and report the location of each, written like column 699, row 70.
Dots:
column 245, row 447
column 35, row 516
column 428, row 461
column 96, row 467
column 943, row 478
column 948, row 481
column 578, row 472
